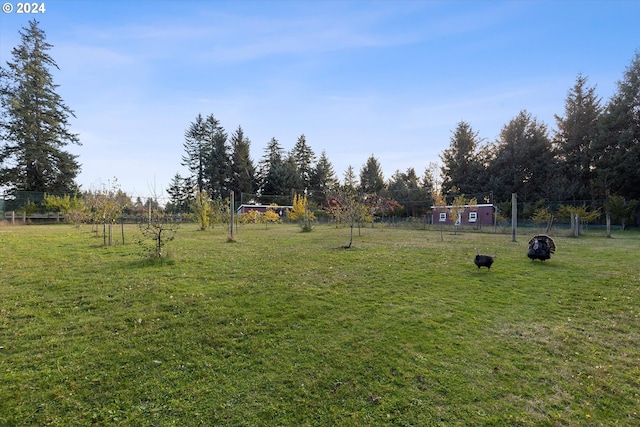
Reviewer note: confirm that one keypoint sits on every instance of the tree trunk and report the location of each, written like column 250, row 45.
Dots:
column 350, row 237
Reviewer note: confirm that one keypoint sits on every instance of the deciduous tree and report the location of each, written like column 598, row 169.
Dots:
column 621, row 210
column 301, row 213
column 348, row 208
column 72, row 207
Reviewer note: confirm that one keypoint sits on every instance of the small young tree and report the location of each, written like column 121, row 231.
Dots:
column 106, row 206
column 251, row 217
column 161, row 228
column 346, row 207
column 28, row 208
column 73, row 208
column 220, row 211
column 620, row 209
column 381, row 206
column 440, row 202
column 542, row 216
column 301, row 213
column 270, row 215
column 583, row 214
column 203, row 209
column 459, row 207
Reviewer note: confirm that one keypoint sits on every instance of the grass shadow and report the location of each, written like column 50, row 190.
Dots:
column 151, row 262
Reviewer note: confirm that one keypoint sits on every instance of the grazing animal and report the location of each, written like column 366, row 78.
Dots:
column 483, row 260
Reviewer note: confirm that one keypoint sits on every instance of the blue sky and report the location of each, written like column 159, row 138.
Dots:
column 357, row 78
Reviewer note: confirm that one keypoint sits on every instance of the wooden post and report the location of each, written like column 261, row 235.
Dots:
column 232, row 218
column 514, row 216
column 608, row 224
column 576, row 226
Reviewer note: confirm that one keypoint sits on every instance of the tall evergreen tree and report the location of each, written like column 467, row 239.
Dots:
column 197, row 151
column 428, row 184
column 218, row 162
column 243, row 170
column 291, row 178
column 323, row 180
column 574, row 137
column 460, row 165
column 304, row 157
column 271, row 170
column 404, row 187
column 350, row 183
column 371, row 178
column 617, row 148
column 181, row 194
column 207, row 156
column 34, row 125
column 523, row 160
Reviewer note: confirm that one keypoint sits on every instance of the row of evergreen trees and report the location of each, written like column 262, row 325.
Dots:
column 593, row 153
column 219, row 165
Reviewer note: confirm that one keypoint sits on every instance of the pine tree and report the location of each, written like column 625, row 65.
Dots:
column 323, row 180
column 617, row 148
column 523, row 160
column 271, row 174
column 349, row 182
column 428, row 185
column 460, row 167
column 207, row 156
column 303, row 157
column 218, row 162
column 243, row 171
column 574, row 137
column 181, row 194
column 371, row 178
column 197, row 151
column 34, row 125
column 405, row 189
column 291, row 179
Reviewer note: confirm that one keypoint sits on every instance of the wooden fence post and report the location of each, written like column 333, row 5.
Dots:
column 514, row 216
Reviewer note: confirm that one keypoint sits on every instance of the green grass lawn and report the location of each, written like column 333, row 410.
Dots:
column 283, row 328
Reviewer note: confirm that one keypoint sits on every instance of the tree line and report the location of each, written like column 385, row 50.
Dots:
column 592, row 155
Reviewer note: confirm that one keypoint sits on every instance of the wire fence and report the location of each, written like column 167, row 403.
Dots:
column 12, row 209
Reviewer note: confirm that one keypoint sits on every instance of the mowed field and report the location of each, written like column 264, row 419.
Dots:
column 283, row 328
